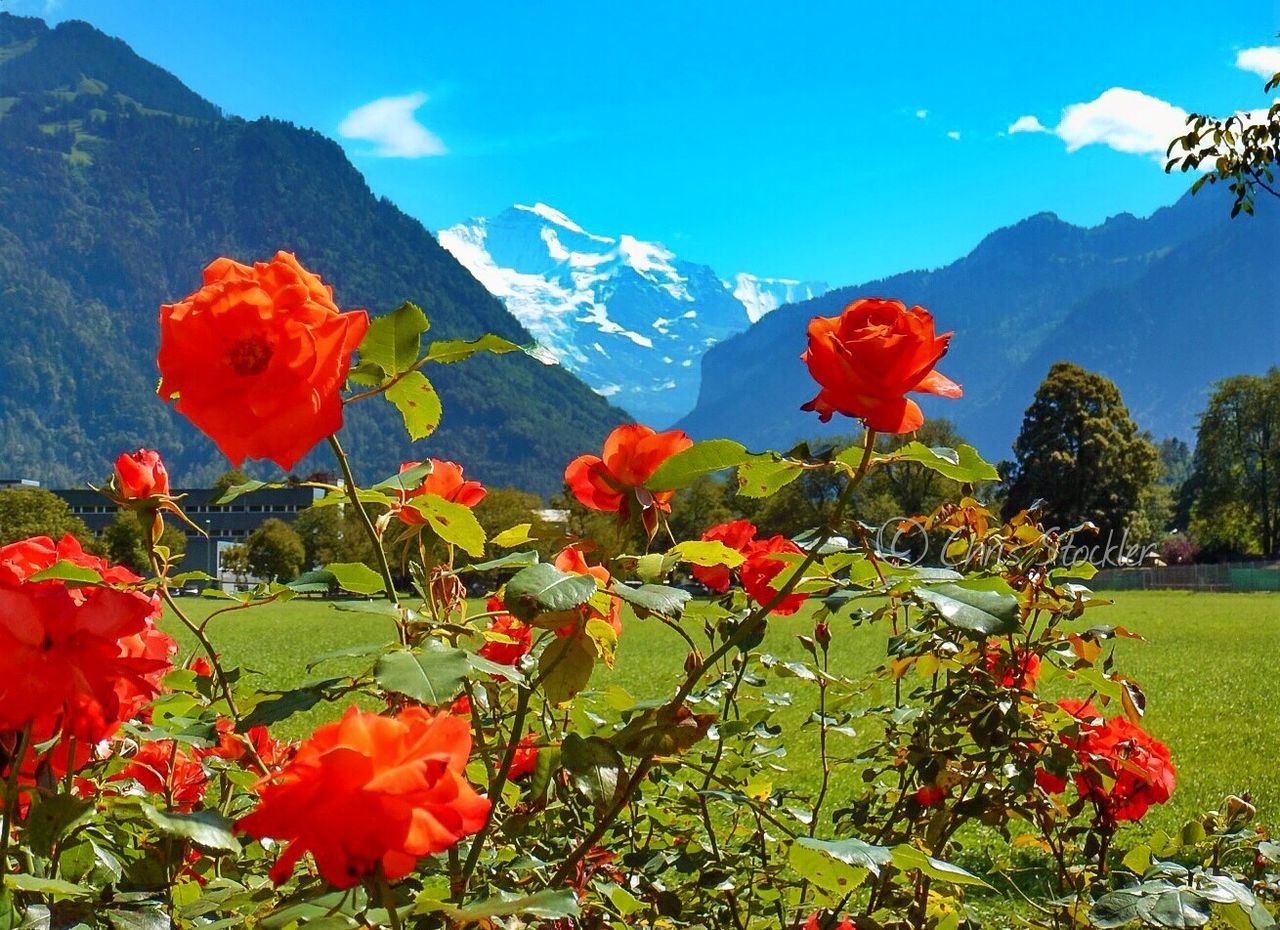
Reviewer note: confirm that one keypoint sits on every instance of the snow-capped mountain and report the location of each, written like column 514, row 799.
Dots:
column 630, row 318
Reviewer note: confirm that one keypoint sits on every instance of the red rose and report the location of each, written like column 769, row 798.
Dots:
column 521, row 636
column 1018, row 669
column 1124, row 770
column 525, row 760
column 371, row 791
column 814, row 923
column 614, row 481
column 256, row 358
column 141, row 475
column 867, row 359
column 444, row 481
column 761, row 567
column 929, row 795
column 231, row 748
column 162, row 768
column 737, row 535
column 87, row 657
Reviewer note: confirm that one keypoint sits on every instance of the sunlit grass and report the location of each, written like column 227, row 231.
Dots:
column 1208, row 665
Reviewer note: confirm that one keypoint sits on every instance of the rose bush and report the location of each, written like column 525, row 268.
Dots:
column 477, row 773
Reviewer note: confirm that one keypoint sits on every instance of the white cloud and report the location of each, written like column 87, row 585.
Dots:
column 1027, row 124
column 922, row 114
column 1125, row 120
column 1264, row 60
column 389, row 122
column 1121, row 119
column 954, row 134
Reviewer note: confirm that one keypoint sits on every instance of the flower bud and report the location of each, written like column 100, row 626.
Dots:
column 822, row 634
column 141, row 475
column 693, row 661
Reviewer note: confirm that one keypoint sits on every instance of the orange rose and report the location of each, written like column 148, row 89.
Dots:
column 371, row 791
column 141, row 475
column 445, row 481
column 256, row 358
column 871, row 356
column 614, row 481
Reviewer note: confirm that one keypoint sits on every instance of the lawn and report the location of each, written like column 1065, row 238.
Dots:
column 1208, row 666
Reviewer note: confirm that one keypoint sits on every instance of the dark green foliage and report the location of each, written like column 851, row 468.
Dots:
column 108, row 210
column 123, row 542
column 1081, row 454
column 274, row 551
column 26, row 512
column 1236, row 482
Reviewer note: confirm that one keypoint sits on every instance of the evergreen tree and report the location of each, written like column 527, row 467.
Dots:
column 1080, row 452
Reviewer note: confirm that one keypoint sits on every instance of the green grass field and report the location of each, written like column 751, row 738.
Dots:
column 1208, row 665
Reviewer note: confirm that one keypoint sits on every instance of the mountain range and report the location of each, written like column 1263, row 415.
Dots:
column 628, row 317
column 1163, row 305
column 118, row 184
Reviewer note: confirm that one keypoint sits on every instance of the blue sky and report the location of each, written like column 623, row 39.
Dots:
column 813, row 140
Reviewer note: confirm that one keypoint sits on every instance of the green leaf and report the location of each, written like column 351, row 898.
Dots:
column 239, row 490
column 207, row 828
column 543, row 587
column 510, row 560
column 595, row 767
column 455, row 350
column 1114, row 910
column 480, row 664
column 63, row 570
column 50, row 886
column 356, row 577
column 707, row 552
column 392, row 344
column 52, row 817
column 550, row 904
column 349, row 652
column 431, row 675
column 702, row 458
column 909, row 858
column 419, row 404
column 764, row 475
column 408, row 480
column 837, row 866
column 514, row 536
column 984, row 613
column 145, row 918
column 280, row 705
column 452, row 522
column 962, row 464
column 654, row 598
column 665, row 731
column 566, row 666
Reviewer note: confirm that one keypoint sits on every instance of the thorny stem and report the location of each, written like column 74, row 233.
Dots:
column 354, row 496
column 219, row 676
column 496, row 784
column 11, row 796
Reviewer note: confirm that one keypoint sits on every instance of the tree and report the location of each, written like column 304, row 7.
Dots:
column 1236, row 482
column 1241, row 149
column 503, row 508
column 1081, row 452
column 228, row 480
column 704, row 503
column 275, row 551
column 235, row 560
column 123, row 542
column 26, row 512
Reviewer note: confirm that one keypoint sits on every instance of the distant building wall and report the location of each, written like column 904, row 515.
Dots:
column 235, row 521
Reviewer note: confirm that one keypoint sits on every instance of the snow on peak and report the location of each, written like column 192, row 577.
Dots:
column 629, row 317
column 762, row 295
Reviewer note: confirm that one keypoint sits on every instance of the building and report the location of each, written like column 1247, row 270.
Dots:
column 231, row 522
